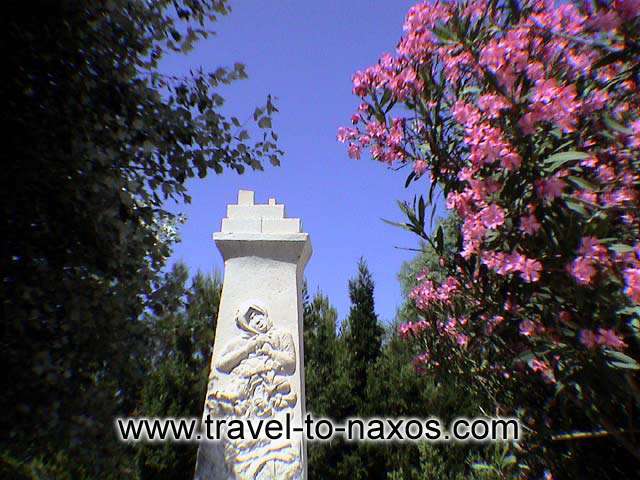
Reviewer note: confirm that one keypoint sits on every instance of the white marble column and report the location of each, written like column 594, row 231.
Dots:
column 257, row 363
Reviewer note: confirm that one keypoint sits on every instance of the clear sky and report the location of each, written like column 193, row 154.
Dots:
column 304, row 53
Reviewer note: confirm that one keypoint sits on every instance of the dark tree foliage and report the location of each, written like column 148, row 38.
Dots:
column 96, row 139
column 320, row 344
column 363, row 332
column 182, row 328
column 393, row 387
column 327, row 381
column 337, row 372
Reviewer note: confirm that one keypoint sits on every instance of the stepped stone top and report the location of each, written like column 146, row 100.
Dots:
column 248, row 217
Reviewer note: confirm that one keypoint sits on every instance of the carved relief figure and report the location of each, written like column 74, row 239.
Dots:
column 251, row 379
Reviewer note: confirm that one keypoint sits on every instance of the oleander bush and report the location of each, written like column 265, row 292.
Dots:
column 525, row 117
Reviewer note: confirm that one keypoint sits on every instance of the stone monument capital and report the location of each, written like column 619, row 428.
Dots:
column 262, row 230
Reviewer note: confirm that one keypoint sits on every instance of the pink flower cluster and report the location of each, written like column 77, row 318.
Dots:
column 508, row 263
column 421, row 361
column 592, row 255
column 530, row 328
column 428, row 293
column 549, row 189
column 487, row 143
column 543, row 367
column 552, row 102
column 632, row 284
column 529, row 224
column 604, row 338
column 413, row 329
column 454, row 329
column 394, row 74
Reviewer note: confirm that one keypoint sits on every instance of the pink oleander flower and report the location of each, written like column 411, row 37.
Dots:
column 588, row 339
column 605, row 21
column 492, row 323
column 632, row 284
column 420, row 361
column 587, row 196
column 591, row 248
column 628, row 9
column 634, row 138
column 422, row 275
column 492, row 216
column 530, row 270
column 420, row 327
column 529, row 224
column 492, row 104
column 345, row 134
column 376, row 130
column 609, row 338
column 420, row 166
column 428, row 292
column 544, row 369
column 450, row 326
column 590, row 162
column 354, row 151
column 565, row 316
column 364, row 140
column 405, row 329
column 527, row 328
column 582, row 270
column 462, row 340
column 606, row 173
column 551, row 101
column 550, row 188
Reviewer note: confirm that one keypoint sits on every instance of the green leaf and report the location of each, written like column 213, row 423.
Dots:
column 471, row 89
column 482, row 467
column 556, row 160
column 404, row 226
column 621, row 248
column 440, row 240
column 582, row 183
column 243, row 135
column 410, row 178
column 629, row 311
column 265, row 122
column 634, row 325
column 444, row 34
column 525, row 356
column 275, row 161
column 576, row 206
column 621, row 361
column 613, row 125
column 608, row 59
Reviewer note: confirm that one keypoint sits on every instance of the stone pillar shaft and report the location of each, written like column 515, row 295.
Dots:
column 257, row 367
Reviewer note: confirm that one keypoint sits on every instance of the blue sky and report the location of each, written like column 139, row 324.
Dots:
column 304, row 54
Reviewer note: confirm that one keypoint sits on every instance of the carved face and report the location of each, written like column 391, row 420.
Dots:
column 258, row 321
column 252, row 318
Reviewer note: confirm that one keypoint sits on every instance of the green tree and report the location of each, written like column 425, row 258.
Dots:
column 182, row 325
column 326, row 379
column 320, row 342
column 98, row 140
column 362, row 334
column 359, row 347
